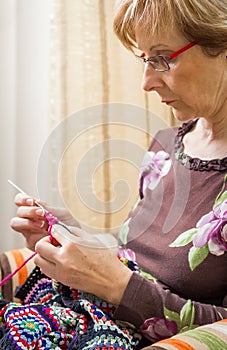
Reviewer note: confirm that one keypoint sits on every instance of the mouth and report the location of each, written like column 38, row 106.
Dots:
column 168, row 102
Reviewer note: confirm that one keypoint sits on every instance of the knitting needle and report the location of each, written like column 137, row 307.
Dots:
column 17, row 187
column 21, row 191
column 44, row 210
column 36, row 202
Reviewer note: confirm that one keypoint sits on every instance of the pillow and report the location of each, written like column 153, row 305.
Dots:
column 208, row 337
column 9, row 261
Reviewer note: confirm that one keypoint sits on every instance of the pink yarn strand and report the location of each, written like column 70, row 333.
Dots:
column 17, row 269
column 51, row 219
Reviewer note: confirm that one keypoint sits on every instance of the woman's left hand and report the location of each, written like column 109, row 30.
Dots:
column 85, row 263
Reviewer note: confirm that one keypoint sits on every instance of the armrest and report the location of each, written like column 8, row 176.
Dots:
column 9, row 261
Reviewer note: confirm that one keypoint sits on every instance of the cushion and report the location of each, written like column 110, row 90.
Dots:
column 208, row 337
column 9, row 261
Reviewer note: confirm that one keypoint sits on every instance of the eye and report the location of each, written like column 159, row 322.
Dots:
column 154, row 59
column 164, row 52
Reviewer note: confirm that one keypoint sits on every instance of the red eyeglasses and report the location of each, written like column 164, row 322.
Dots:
column 160, row 63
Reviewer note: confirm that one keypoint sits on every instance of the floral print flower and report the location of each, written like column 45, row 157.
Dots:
column 156, row 329
column 127, row 253
column 212, row 230
column 209, row 235
column 154, row 167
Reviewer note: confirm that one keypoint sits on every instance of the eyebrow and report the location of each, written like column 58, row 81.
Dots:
column 158, row 45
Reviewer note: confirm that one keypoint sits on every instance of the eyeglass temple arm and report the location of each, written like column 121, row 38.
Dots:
column 174, row 54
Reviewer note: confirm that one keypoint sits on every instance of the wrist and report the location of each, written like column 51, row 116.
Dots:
column 118, row 287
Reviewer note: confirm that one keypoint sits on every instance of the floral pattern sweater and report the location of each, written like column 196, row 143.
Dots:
column 177, row 233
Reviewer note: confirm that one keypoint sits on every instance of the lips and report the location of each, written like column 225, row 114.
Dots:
column 168, row 101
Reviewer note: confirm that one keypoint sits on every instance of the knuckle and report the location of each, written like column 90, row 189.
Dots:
column 38, row 245
column 12, row 222
column 26, row 212
column 19, row 199
column 20, row 211
column 30, row 245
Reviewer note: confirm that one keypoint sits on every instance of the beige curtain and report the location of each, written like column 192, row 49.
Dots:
column 95, row 89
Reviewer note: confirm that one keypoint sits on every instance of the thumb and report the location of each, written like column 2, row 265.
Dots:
column 60, row 234
column 93, row 240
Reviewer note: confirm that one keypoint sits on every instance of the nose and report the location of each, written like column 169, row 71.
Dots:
column 151, row 79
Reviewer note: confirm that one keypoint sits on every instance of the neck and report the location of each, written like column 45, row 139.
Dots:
column 207, row 140
column 212, row 129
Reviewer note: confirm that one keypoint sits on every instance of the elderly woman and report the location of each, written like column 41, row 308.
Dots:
column 177, row 232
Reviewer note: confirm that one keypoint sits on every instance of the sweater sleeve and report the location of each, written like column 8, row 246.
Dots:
column 144, row 299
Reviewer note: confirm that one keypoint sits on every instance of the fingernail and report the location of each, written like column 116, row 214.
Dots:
column 29, row 201
column 39, row 212
column 43, row 224
column 39, row 224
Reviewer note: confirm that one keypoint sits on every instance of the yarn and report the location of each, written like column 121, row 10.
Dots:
column 51, row 220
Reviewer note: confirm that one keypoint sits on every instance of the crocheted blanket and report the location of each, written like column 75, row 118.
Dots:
column 53, row 316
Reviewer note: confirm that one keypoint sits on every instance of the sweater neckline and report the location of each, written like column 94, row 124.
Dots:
column 195, row 163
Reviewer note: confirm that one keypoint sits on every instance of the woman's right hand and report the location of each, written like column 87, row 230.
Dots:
column 29, row 220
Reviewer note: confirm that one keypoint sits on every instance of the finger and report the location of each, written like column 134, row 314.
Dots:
column 23, row 199
column 76, row 231
column 63, row 235
column 31, row 239
column 23, row 224
column 46, row 266
column 29, row 213
column 83, row 238
column 61, row 213
column 46, row 250
column 72, row 234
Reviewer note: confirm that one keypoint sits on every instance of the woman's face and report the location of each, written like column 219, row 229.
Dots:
column 196, row 84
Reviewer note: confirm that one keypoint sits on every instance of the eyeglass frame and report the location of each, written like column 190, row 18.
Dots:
column 166, row 59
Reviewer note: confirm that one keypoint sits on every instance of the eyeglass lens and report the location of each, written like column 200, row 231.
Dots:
column 157, row 62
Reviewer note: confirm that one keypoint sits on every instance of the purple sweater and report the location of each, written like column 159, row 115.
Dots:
column 185, row 194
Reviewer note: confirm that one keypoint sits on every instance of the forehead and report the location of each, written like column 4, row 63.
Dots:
column 166, row 38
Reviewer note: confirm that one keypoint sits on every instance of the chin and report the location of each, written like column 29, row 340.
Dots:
column 182, row 116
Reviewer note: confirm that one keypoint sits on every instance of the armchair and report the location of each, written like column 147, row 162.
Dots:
column 207, row 337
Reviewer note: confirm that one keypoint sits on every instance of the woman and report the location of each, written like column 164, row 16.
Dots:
column 177, row 233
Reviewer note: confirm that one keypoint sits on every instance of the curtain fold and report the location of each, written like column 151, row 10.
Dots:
column 89, row 71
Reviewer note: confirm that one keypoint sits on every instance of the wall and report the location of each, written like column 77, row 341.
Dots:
column 24, row 60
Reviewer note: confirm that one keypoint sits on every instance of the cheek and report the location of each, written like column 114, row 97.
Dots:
column 197, row 84
column 180, row 89
column 187, row 86
column 186, row 91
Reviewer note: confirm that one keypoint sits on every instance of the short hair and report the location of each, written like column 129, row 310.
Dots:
column 202, row 21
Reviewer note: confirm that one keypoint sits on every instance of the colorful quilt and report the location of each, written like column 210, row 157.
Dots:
column 53, row 316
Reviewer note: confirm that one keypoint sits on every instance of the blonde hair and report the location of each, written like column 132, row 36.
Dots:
column 203, row 21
